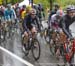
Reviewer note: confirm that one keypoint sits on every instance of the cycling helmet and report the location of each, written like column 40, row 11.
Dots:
column 56, row 5
column 39, row 4
column 28, row 7
column 32, row 11
column 59, row 13
column 24, row 6
column 70, row 8
column 9, row 5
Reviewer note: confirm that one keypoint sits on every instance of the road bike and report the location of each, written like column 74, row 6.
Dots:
column 33, row 45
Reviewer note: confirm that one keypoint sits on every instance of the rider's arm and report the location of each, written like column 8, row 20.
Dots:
column 6, row 15
column 66, row 30
column 52, row 20
column 24, row 24
column 14, row 14
column 37, row 22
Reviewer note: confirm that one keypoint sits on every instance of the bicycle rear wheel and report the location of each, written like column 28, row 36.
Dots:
column 36, row 49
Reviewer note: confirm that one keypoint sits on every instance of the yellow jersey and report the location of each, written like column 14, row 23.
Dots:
column 23, row 14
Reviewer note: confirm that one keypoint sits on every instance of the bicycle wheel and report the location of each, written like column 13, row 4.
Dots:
column 52, row 47
column 1, row 36
column 46, row 35
column 4, row 35
column 36, row 49
column 68, row 52
column 24, row 47
column 9, row 33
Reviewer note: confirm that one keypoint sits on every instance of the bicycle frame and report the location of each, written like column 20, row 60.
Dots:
column 71, row 51
column 31, row 38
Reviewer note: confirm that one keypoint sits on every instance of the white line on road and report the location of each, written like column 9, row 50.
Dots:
column 16, row 57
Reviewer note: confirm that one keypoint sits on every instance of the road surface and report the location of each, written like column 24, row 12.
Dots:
column 14, row 45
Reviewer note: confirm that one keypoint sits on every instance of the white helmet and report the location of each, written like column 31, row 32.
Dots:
column 32, row 11
column 59, row 13
column 70, row 8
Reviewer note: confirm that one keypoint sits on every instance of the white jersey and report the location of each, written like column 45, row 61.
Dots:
column 56, row 21
column 53, row 18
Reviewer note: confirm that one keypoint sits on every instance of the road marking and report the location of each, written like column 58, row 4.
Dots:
column 16, row 57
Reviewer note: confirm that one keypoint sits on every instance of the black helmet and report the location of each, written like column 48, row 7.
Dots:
column 24, row 6
column 56, row 5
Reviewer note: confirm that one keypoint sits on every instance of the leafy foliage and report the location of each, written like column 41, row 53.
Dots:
column 9, row 1
column 45, row 3
column 62, row 3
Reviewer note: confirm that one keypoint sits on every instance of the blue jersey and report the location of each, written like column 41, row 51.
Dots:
column 9, row 14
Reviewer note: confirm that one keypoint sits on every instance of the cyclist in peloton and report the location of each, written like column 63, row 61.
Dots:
column 29, row 25
column 56, row 7
column 9, row 13
column 66, row 21
column 1, row 14
column 55, row 19
column 54, row 24
column 30, row 22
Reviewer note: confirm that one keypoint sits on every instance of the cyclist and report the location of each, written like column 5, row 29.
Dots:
column 1, row 14
column 23, row 15
column 39, row 14
column 30, row 22
column 17, row 10
column 54, row 24
column 39, row 11
column 56, row 7
column 9, row 13
column 66, row 21
column 29, row 25
column 22, row 9
column 55, row 19
column 10, row 17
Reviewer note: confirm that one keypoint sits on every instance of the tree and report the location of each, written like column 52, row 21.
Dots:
column 51, row 4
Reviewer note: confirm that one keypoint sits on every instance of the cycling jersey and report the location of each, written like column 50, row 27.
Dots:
column 54, row 21
column 66, row 21
column 17, row 10
column 23, row 14
column 28, row 22
column 9, row 14
column 51, row 13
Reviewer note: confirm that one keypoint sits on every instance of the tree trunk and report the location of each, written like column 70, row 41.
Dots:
column 51, row 3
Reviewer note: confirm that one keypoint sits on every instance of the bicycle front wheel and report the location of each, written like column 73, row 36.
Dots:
column 36, row 49
column 46, row 36
column 52, row 47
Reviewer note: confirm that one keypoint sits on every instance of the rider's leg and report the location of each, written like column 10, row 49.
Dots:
column 33, row 31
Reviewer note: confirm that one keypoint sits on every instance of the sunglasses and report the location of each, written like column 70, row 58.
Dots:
column 33, row 14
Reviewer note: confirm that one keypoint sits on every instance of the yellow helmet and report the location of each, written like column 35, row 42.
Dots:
column 28, row 8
